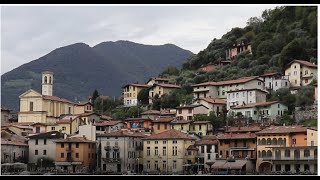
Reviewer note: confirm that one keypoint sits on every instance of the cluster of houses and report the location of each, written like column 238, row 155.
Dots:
column 55, row 133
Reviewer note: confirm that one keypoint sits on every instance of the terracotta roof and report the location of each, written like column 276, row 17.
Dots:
column 227, row 82
column 158, row 79
column 138, row 119
column 210, row 140
column 16, row 123
column 87, row 114
column 47, row 135
column 282, row 130
column 107, row 123
column 15, row 143
column 167, row 85
column 55, row 98
column 151, row 112
column 170, row 134
column 244, row 129
column 38, row 123
column 137, row 85
column 163, row 120
column 214, row 100
column 313, row 128
column 254, row 105
column 163, row 112
column 192, row 147
column 251, row 89
column 75, row 139
column 190, row 106
column 180, row 121
column 83, row 103
column 200, row 122
column 306, row 63
column 237, row 136
column 122, row 133
column 67, row 117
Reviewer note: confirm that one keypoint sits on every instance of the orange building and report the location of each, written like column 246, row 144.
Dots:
column 75, row 154
column 138, row 123
column 162, row 124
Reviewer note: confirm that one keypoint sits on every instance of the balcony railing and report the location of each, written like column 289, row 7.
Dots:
column 115, row 148
column 292, row 158
column 111, row 160
column 107, row 148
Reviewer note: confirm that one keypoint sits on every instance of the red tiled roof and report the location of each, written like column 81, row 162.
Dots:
column 255, row 105
column 138, row 119
column 237, row 136
column 167, row 85
column 16, row 124
column 87, row 114
column 47, row 135
column 251, row 89
column 158, row 79
column 214, row 100
column 75, row 139
column 244, row 129
column 83, row 103
column 163, row 120
column 207, row 140
column 192, row 147
column 282, row 130
column 200, row 122
column 180, row 121
column 227, row 82
column 137, row 85
column 151, row 112
column 107, row 123
column 190, row 106
column 122, row 133
column 15, row 143
column 269, row 74
column 55, row 98
column 306, row 63
column 170, row 134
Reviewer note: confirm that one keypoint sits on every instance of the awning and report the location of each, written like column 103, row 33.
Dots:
column 238, row 164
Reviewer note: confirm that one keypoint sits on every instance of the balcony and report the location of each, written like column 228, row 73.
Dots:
column 107, row 148
column 115, row 148
column 112, row 160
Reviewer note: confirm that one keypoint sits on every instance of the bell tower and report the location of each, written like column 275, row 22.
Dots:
column 47, row 82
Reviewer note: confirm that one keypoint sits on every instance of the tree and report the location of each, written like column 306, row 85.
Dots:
column 95, row 95
column 284, row 96
column 119, row 114
column 171, row 71
column 305, row 96
column 45, row 162
column 143, row 96
column 134, row 112
column 156, row 102
column 292, row 51
column 286, row 119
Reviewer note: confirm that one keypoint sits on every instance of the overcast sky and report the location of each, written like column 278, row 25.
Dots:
column 29, row 32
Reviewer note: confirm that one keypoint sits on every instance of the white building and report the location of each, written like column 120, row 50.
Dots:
column 301, row 73
column 121, row 151
column 245, row 96
column 207, row 151
column 214, row 104
column 274, row 81
column 258, row 111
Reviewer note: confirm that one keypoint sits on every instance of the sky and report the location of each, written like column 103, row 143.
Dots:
column 30, row 32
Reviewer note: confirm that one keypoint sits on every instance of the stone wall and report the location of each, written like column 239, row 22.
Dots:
column 306, row 114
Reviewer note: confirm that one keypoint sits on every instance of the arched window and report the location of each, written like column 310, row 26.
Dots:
column 274, row 141
column 269, row 153
column 278, row 153
column 264, row 153
column 263, row 141
column 280, row 141
column 287, row 153
column 259, row 142
column 50, row 82
column 45, row 79
column 297, row 154
column 268, row 141
column 306, row 153
column 259, row 154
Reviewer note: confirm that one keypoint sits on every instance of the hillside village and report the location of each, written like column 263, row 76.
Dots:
column 244, row 125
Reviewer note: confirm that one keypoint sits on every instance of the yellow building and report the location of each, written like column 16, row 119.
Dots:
column 130, row 93
column 312, row 136
column 162, row 124
column 166, row 152
column 43, row 108
column 277, row 136
column 301, row 73
column 181, row 125
column 83, row 107
column 161, row 89
column 201, row 128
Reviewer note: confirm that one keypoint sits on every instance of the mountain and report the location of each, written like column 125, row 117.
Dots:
column 279, row 36
column 80, row 69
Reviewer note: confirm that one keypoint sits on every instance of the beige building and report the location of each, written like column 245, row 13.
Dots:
column 13, row 151
column 245, row 96
column 158, row 80
column 130, row 93
column 301, row 73
column 121, row 151
column 162, row 124
column 83, row 107
column 312, row 136
column 161, row 89
column 42, row 145
column 187, row 112
column 166, row 152
column 214, row 105
column 109, row 126
column 220, row 89
column 150, row 114
column 181, row 125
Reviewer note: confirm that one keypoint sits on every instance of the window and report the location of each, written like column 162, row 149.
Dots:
column 250, row 93
column 174, row 165
column 158, row 126
column 174, row 142
column 89, row 155
column 190, row 110
column 294, row 141
column 53, row 128
column 36, row 143
column 189, row 118
column 31, row 106
column 148, row 142
column 287, row 167
column 164, row 142
column 155, row 142
column 164, row 165
column 63, row 128
column 62, row 155
column 36, row 152
column 164, row 151
column 37, row 129
column 159, row 92
column 181, row 127
column 156, row 151
column 276, row 83
column 254, row 112
column 306, row 72
column 134, row 88
column 259, row 83
column 237, row 95
column 77, row 155
column 200, row 127
column 69, row 110
column 165, row 126
column 278, row 167
column 148, row 151
column 180, row 111
column 62, row 145
column 45, row 141
column 306, row 153
column 295, row 81
column 295, row 73
column 174, row 150
column 77, row 145
column 306, row 81
column 209, row 157
column 243, row 94
column 148, row 164
column 156, row 165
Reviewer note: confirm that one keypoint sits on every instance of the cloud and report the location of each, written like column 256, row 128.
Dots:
column 29, row 32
